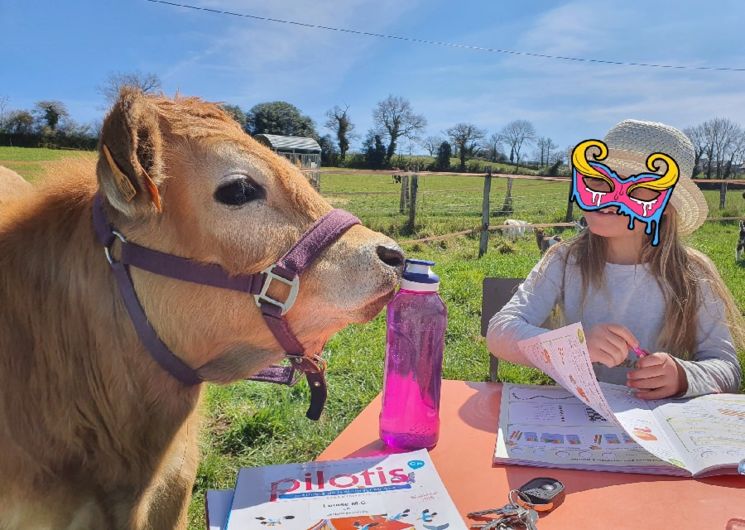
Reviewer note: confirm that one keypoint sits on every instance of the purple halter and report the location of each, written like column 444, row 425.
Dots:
column 287, row 270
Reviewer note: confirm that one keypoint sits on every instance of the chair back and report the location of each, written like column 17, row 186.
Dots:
column 496, row 292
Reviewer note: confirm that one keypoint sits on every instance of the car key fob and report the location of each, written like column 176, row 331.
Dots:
column 542, row 493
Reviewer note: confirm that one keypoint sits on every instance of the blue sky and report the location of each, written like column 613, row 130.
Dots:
column 65, row 50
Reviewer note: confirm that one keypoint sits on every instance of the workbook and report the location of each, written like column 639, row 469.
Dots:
column 585, row 424
column 388, row 492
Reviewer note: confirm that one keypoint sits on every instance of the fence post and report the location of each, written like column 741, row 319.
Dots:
column 484, row 243
column 569, row 217
column 507, row 207
column 723, row 194
column 412, row 203
column 570, row 206
column 404, row 201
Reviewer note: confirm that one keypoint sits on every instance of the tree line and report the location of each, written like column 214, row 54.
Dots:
column 395, row 121
column 719, row 143
column 49, row 124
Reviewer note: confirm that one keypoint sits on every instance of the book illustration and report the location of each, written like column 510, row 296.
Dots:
column 517, row 394
column 273, row 521
column 370, row 522
column 586, row 424
column 397, row 492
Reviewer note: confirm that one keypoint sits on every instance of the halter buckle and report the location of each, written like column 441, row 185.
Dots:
column 294, row 285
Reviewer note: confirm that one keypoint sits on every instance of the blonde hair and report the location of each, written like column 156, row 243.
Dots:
column 680, row 271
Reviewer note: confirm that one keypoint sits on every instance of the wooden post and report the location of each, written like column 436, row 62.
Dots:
column 570, row 206
column 412, row 204
column 722, row 194
column 507, row 208
column 484, row 243
column 404, row 200
column 569, row 217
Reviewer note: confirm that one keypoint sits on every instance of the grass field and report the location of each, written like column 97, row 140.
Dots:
column 247, row 424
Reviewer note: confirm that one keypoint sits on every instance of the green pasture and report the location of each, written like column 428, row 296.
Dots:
column 30, row 162
column 248, row 424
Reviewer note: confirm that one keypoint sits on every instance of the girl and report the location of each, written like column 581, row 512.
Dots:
column 631, row 286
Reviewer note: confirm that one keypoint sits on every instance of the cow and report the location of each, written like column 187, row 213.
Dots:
column 95, row 431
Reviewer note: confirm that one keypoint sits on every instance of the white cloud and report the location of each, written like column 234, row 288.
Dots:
column 268, row 60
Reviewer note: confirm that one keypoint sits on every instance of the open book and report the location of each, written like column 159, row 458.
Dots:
column 599, row 426
column 388, row 492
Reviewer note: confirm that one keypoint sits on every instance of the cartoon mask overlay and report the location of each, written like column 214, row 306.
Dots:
column 641, row 197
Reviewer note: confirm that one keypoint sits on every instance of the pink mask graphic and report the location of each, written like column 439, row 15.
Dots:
column 641, row 197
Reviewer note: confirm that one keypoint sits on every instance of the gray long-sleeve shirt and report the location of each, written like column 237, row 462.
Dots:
column 630, row 297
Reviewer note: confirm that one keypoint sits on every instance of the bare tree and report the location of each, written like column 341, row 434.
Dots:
column 465, row 137
column 432, row 144
column 516, row 135
column 394, row 118
column 698, row 138
column 735, row 158
column 339, row 122
column 19, row 122
column 493, row 147
column 722, row 134
column 545, row 146
column 148, row 83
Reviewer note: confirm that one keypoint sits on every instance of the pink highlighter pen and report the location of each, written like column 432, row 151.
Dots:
column 640, row 352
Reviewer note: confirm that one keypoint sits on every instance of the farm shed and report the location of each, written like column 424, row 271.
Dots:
column 301, row 151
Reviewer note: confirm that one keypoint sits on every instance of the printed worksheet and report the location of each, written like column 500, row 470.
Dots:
column 592, row 425
column 562, row 354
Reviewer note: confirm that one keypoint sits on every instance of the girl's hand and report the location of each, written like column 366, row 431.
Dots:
column 609, row 344
column 657, row 376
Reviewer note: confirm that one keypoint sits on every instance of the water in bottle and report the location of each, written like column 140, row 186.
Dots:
column 415, row 338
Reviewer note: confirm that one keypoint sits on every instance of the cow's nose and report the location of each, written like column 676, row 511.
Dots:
column 392, row 256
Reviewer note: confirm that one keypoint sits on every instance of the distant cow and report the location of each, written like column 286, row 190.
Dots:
column 94, row 433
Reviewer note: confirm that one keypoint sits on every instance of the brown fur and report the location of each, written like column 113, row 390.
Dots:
column 12, row 185
column 93, row 434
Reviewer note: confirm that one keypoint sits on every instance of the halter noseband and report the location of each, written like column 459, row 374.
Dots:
column 286, row 270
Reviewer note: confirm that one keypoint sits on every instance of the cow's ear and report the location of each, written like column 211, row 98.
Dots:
column 130, row 162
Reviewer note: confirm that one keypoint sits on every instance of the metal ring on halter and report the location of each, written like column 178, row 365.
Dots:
column 294, row 285
column 107, row 250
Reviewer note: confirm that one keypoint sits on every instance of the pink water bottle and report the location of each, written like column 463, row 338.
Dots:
column 415, row 339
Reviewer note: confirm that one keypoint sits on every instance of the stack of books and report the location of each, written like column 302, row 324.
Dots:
column 387, row 492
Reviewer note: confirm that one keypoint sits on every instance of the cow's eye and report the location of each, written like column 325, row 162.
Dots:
column 238, row 192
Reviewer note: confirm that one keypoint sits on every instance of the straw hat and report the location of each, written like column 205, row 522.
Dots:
column 630, row 142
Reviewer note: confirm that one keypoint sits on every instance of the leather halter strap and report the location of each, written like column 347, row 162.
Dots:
column 286, row 270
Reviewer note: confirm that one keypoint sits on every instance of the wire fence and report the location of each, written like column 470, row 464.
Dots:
column 425, row 207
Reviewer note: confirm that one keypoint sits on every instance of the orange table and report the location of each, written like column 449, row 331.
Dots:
column 469, row 416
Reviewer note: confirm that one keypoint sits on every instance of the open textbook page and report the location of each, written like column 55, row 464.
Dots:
column 703, row 435
column 549, row 426
column 396, row 492
column 708, row 431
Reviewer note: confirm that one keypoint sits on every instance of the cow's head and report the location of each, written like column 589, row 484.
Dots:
column 184, row 178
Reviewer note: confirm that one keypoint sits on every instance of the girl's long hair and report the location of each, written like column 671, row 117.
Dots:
column 680, row 271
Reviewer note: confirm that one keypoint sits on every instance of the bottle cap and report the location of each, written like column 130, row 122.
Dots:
column 418, row 276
